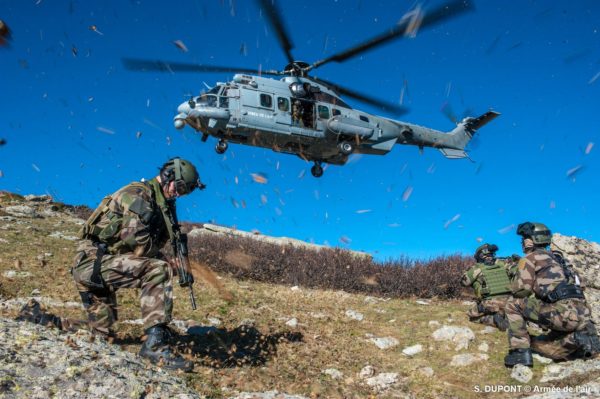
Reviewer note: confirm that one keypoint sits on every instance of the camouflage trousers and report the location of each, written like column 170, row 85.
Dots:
column 484, row 310
column 153, row 276
column 562, row 318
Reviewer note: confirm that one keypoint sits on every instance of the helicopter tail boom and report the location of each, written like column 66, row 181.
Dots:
column 463, row 133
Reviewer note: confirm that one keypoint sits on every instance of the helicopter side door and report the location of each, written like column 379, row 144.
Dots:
column 257, row 109
column 283, row 112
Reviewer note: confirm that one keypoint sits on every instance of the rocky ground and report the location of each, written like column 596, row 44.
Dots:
column 270, row 342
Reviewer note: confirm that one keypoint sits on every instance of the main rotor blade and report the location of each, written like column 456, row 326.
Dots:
column 274, row 17
column 384, row 105
column 135, row 64
column 404, row 27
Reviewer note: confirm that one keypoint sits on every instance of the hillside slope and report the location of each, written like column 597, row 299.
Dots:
column 271, row 340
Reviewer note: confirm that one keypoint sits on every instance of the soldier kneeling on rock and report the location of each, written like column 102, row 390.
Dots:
column 546, row 292
column 489, row 279
column 120, row 248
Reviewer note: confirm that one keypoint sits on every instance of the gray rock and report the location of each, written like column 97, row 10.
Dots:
column 542, row 359
column 354, row 315
column 293, row 322
column 483, row 347
column 266, row 395
column 426, row 371
column 20, row 211
column 467, row 359
column 39, row 360
column 383, row 381
column 489, row 330
column 15, row 274
column 461, row 336
column 38, row 198
column 564, row 370
column 366, row 371
column 412, row 350
column 521, row 373
column 58, row 234
column 385, row 342
column 585, row 258
column 333, row 373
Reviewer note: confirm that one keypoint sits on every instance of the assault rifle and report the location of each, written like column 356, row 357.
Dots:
column 180, row 250
column 179, row 242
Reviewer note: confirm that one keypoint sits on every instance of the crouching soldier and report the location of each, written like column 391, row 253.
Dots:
column 546, row 292
column 121, row 249
column 489, row 279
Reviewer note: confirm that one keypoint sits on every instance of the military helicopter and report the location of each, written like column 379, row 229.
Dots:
column 305, row 115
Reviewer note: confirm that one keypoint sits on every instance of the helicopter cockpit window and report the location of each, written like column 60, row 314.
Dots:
column 363, row 118
column 323, row 112
column 210, row 100
column 283, row 104
column 336, row 112
column 266, row 100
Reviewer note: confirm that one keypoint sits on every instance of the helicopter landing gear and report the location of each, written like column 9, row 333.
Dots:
column 346, row 148
column 317, row 169
column 221, row 147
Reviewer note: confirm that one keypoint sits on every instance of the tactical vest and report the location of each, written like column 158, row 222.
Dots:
column 107, row 231
column 494, row 280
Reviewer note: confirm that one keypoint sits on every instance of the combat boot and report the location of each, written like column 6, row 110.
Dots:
column 519, row 356
column 33, row 313
column 501, row 322
column 156, row 349
column 588, row 343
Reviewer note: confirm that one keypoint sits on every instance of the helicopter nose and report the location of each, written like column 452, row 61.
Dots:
column 184, row 108
column 179, row 123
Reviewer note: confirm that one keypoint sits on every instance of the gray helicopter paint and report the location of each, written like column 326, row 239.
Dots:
column 241, row 117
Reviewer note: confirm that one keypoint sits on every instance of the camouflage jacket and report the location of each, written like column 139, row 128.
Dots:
column 130, row 221
column 537, row 273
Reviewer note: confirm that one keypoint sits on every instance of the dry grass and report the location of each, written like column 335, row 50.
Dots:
column 253, row 349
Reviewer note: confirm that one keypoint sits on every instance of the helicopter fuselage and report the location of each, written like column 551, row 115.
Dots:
column 299, row 116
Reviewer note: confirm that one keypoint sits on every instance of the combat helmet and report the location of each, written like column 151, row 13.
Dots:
column 539, row 233
column 485, row 250
column 183, row 173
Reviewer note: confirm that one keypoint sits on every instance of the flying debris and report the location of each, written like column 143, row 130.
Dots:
column 105, row 130
column 74, row 51
column 138, row 134
column 506, row 229
column 552, row 204
column 361, row 211
column 345, row 240
column 454, row 219
column 407, row 193
column 594, row 78
column 589, row 147
column 2, row 142
column 259, row 178
column 35, row 167
column 94, row 28
column 179, row 44
column 573, row 171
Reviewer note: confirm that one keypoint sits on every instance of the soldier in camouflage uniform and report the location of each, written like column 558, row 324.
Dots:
column 121, row 249
column 489, row 279
column 545, row 293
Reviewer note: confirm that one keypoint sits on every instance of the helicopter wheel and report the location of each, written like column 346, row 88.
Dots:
column 346, row 148
column 317, row 170
column 221, row 147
